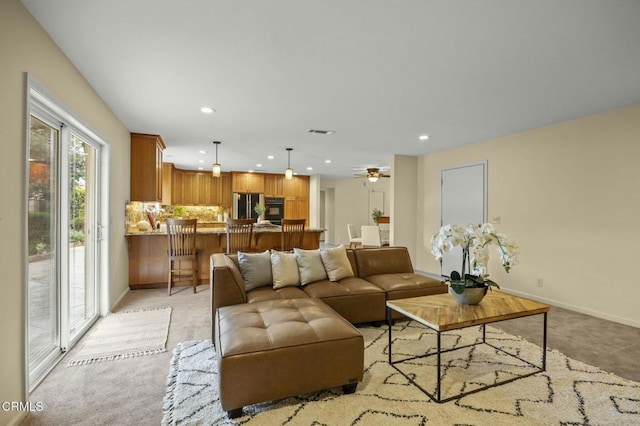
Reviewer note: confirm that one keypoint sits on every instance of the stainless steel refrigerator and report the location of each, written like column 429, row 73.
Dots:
column 244, row 203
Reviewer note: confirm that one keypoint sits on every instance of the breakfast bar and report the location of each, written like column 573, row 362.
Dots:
column 148, row 265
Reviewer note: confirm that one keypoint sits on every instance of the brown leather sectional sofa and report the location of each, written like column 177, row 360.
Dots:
column 265, row 338
column 381, row 274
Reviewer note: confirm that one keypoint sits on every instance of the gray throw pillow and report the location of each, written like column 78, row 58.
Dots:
column 284, row 269
column 310, row 266
column 255, row 269
column 336, row 263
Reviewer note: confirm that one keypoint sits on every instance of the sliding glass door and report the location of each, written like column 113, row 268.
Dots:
column 62, row 238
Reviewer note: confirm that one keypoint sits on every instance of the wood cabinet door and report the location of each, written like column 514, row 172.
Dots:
column 296, row 208
column 255, row 183
column 226, row 194
column 205, row 188
column 176, row 187
column 190, row 188
column 274, row 185
column 239, row 182
column 146, row 167
column 167, row 183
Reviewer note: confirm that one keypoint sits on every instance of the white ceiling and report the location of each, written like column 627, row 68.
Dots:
column 378, row 72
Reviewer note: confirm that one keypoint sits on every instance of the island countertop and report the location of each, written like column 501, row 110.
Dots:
column 148, row 265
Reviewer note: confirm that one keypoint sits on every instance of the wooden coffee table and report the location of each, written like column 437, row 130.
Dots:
column 442, row 313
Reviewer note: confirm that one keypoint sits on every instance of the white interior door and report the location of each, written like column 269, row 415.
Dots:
column 463, row 200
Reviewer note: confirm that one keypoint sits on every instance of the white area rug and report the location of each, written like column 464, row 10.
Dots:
column 125, row 334
column 567, row 393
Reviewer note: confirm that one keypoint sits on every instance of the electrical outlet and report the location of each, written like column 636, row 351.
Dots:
column 495, row 220
column 540, row 282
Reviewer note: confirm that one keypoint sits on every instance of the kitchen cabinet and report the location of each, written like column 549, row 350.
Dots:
column 222, row 190
column 146, row 167
column 176, row 189
column 296, row 198
column 205, row 188
column 247, row 182
column 189, row 188
column 274, row 185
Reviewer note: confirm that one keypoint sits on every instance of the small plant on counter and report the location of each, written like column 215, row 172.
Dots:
column 260, row 209
column 179, row 211
column 375, row 215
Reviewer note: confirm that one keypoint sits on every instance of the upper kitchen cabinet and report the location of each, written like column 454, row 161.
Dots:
column 146, row 167
column 298, row 186
column 222, row 193
column 274, row 185
column 247, row 182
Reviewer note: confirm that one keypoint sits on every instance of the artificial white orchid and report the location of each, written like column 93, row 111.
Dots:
column 475, row 241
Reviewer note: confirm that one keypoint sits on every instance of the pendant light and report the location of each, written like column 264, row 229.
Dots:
column 216, row 166
column 288, row 173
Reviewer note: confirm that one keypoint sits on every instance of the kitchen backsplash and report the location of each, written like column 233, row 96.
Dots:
column 136, row 212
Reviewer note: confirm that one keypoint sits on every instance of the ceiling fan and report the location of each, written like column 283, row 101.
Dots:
column 373, row 174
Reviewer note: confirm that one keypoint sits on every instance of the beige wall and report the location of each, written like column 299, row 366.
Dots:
column 569, row 194
column 26, row 48
column 351, row 205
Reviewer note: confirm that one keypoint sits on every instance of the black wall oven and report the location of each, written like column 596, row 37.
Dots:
column 274, row 209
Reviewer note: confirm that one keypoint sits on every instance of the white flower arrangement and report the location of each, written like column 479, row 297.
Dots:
column 475, row 241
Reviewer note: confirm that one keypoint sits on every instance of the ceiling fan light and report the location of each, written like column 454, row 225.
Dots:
column 372, row 178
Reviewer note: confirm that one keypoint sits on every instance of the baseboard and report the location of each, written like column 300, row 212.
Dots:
column 575, row 308
column 124, row 293
column 17, row 420
column 431, row 275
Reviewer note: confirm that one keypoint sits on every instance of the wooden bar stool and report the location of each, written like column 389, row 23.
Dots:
column 239, row 233
column 292, row 234
column 182, row 247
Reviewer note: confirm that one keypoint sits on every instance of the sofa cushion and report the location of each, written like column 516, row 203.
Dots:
column 336, row 263
column 355, row 299
column 255, row 269
column 269, row 293
column 386, row 260
column 284, row 269
column 403, row 285
column 310, row 266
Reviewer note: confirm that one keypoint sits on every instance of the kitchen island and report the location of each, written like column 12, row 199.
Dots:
column 149, row 265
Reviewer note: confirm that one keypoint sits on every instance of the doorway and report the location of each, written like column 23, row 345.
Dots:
column 463, row 201
column 63, row 234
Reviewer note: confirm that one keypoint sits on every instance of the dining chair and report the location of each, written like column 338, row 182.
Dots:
column 182, row 247
column 292, row 234
column 354, row 239
column 371, row 236
column 239, row 233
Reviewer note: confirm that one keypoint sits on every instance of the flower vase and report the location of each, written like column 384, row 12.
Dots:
column 470, row 295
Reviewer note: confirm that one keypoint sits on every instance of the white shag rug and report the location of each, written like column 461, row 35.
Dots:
column 125, row 334
column 567, row 393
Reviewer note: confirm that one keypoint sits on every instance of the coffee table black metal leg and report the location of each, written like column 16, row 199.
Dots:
column 389, row 324
column 544, row 343
column 438, row 348
column 484, row 334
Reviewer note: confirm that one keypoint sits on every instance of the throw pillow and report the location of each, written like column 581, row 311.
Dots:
column 336, row 263
column 284, row 269
column 310, row 266
column 255, row 269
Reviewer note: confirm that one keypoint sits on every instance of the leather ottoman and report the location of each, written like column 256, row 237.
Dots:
column 280, row 348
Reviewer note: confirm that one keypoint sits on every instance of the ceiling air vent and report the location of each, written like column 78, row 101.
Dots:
column 322, row 132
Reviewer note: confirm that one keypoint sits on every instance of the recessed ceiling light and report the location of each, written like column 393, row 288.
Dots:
column 200, row 168
column 250, row 171
column 201, row 161
column 258, row 165
column 270, row 157
column 202, row 151
column 207, row 110
column 327, row 161
column 309, row 168
column 423, row 137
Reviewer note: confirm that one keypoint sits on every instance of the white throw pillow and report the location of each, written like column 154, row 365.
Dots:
column 336, row 263
column 284, row 269
column 310, row 266
column 255, row 269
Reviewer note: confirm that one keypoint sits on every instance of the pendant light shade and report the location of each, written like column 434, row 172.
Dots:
column 372, row 178
column 216, row 166
column 288, row 172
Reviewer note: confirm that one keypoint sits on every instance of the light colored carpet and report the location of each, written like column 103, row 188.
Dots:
column 568, row 392
column 126, row 334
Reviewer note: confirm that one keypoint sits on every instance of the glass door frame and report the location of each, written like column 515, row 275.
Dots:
column 45, row 107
